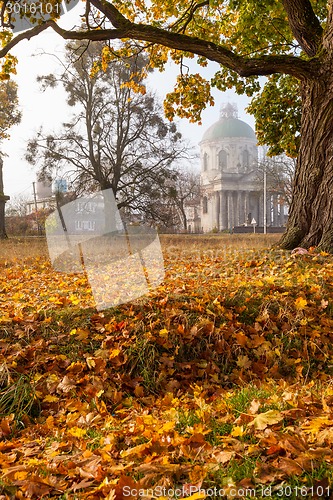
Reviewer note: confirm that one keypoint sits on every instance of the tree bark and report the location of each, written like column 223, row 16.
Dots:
column 3, row 234
column 3, row 199
column 310, row 220
column 304, row 24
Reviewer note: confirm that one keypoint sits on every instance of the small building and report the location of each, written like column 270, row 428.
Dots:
column 192, row 211
column 44, row 198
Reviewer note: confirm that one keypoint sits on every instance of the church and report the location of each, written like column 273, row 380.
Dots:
column 232, row 192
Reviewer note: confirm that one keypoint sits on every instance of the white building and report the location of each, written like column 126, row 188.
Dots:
column 43, row 199
column 232, row 193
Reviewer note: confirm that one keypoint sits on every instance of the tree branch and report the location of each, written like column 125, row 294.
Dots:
column 26, row 35
column 188, row 16
column 304, row 25
column 261, row 66
column 124, row 29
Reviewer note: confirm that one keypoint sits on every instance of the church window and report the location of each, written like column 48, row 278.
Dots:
column 223, row 157
column 205, row 205
column 205, row 162
column 246, row 158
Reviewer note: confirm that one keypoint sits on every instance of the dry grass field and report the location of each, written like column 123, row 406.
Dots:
column 22, row 248
column 219, row 378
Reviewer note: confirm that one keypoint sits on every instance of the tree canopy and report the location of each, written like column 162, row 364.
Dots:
column 248, row 39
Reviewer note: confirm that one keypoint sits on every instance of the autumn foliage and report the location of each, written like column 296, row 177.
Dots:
column 220, row 378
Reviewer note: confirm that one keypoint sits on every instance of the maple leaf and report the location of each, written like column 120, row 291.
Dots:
column 315, row 424
column 237, row 431
column 299, row 251
column 77, row 432
column 254, row 407
column 66, row 385
column 243, row 362
column 289, row 466
column 50, row 399
column 223, row 457
column 263, row 420
column 301, row 303
column 197, row 496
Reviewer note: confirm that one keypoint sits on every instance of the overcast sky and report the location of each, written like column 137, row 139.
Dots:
column 50, row 110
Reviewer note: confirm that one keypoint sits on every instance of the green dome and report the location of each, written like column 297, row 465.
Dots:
column 229, row 127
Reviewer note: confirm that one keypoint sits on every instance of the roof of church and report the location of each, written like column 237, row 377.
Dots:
column 229, row 127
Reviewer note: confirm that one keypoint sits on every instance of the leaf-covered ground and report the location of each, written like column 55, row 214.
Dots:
column 219, row 383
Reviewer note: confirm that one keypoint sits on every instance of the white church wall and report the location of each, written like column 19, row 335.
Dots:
column 225, row 163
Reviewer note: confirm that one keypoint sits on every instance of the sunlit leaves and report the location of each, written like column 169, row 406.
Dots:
column 251, row 29
column 189, row 98
column 277, row 110
column 9, row 113
column 225, row 79
column 248, row 28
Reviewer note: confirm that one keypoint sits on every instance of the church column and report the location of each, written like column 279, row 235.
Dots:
column 238, row 205
column 281, row 211
column 218, row 209
column 261, row 210
column 242, row 207
column 247, row 206
column 269, row 210
column 258, row 209
column 277, row 223
column 224, row 210
column 230, row 210
column 215, row 158
column 280, row 217
column 275, row 210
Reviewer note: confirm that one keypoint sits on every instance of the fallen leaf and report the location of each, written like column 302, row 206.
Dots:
column 263, row 420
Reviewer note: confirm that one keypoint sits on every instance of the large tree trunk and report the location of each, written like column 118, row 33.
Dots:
column 3, row 200
column 310, row 220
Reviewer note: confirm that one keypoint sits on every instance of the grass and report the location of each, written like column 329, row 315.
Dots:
column 241, row 400
column 165, row 390
column 17, row 396
column 22, row 248
column 185, row 420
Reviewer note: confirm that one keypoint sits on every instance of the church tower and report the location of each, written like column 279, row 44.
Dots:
column 231, row 192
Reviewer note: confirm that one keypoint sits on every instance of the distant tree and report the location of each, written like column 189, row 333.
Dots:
column 185, row 188
column 9, row 116
column 117, row 137
column 17, row 206
column 280, row 172
column 167, row 208
column 16, row 215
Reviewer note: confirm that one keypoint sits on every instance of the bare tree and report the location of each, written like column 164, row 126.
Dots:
column 17, row 205
column 117, row 137
column 184, row 190
column 279, row 172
